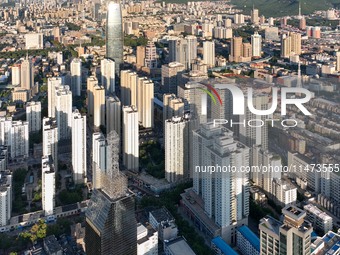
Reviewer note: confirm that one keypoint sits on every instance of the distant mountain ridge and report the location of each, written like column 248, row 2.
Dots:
column 277, row 8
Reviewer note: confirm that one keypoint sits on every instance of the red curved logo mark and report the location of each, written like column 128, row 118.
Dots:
column 211, row 88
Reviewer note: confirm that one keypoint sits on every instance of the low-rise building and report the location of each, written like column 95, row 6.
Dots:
column 220, row 247
column 52, row 246
column 20, row 95
column 147, row 240
column 247, row 241
column 320, row 220
column 177, row 246
column 328, row 244
column 162, row 220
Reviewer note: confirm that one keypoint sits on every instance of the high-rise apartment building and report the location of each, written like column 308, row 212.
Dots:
column 63, row 100
column 172, row 106
column 236, row 49
column 256, row 43
column 145, row 103
column 50, row 140
column 76, row 80
column 251, row 136
column 26, row 74
column 3, row 157
column 140, row 57
column 172, row 48
column 269, row 236
column 178, row 51
column 238, row 18
column 337, row 54
column 130, row 138
column 195, row 100
column 150, row 55
column 286, row 42
column 128, row 83
column 170, row 76
column 246, row 134
column 79, row 162
column 176, row 140
column 302, row 23
column 15, row 75
column 33, row 116
column 296, row 43
column 240, row 52
column 5, row 133
column 290, row 44
column 52, row 85
column 183, row 50
column 227, row 22
column 114, row 35
column 225, row 193
column 292, row 236
column 14, row 134
column 60, row 60
column 107, row 67
column 92, row 82
column 5, row 197
column 254, row 16
column 19, row 139
column 192, row 49
column 98, row 158
column 48, row 185
column 209, row 53
column 246, row 52
column 98, row 106
column 263, row 158
column 113, row 114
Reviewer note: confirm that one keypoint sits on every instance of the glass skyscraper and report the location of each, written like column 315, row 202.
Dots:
column 111, row 227
column 114, row 34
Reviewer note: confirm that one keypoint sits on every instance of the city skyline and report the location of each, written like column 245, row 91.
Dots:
column 160, row 128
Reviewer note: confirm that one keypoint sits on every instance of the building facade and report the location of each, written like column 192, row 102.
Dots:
column 79, row 151
column 33, row 116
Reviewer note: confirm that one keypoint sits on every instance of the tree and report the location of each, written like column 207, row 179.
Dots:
column 43, row 88
column 38, row 231
column 70, row 197
column 5, row 242
column 72, row 26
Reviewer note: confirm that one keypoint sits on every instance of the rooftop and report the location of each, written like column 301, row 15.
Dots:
column 316, row 211
column 179, row 246
column 250, row 236
column 271, row 224
column 293, row 212
column 223, row 246
column 52, row 245
column 196, row 205
column 162, row 214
